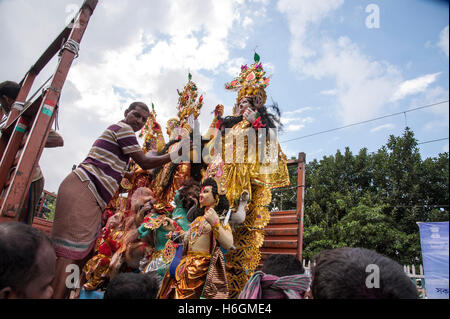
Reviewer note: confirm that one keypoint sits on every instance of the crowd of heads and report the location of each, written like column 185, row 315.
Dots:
column 359, row 273
column 28, row 261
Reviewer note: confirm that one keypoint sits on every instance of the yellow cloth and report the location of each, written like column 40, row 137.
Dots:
column 190, row 275
column 239, row 166
column 239, row 169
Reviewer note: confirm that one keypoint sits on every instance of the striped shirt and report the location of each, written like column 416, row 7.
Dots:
column 107, row 160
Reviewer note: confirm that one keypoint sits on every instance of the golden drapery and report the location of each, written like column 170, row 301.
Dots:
column 190, row 275
column 238, row 169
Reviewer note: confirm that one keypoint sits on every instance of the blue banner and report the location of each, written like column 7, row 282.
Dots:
column 434, row 242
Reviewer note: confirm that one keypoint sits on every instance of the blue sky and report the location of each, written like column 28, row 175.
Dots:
column 329, row 69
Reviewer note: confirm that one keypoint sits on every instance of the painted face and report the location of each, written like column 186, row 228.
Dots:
column 206, row 197
column 113, row 221
column 244, row 103
column 136, row 118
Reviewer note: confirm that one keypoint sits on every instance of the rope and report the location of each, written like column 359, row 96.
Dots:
column 72, row 46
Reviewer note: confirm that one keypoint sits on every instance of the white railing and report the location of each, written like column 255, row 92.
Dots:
column 417, row 278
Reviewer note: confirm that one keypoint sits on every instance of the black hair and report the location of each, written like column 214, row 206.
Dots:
column 223, row 205
column 130, row 285
column 269, row 119
column 282, row 265
column 190, row 188
column 19, row 245
column 342, row 273
column 142, row 105
column 10, row 89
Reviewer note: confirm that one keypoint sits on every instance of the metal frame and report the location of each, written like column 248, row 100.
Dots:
column 36, row 119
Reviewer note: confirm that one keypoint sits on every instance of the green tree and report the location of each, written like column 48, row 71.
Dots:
column 51, row 204
column 373, row 200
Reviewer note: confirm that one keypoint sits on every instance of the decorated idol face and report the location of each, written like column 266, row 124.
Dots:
column 113, row 221
column 244, row 103
column 206, row 197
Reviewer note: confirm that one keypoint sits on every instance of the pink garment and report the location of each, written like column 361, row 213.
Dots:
column 262, row 286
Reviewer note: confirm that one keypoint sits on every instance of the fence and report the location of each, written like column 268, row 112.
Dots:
column 410, row 270
column 418, row 279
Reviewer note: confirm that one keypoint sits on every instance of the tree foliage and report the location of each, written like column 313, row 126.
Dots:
column 373, row 200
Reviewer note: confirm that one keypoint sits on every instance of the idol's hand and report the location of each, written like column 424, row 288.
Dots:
column 212, row 217
column 250, row 115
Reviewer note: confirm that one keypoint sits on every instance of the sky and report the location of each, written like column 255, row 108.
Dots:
column 333, row 63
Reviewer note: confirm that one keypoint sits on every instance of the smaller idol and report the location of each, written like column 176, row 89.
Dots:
column 201, row 271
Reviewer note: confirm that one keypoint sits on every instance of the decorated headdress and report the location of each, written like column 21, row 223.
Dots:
column 172, row 127
column 152, row 133
column 188, row 105
column 251, row 82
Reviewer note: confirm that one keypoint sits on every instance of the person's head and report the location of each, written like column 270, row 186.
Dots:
column 8, row 94
column 136, row 115
column 133, row 286
column 282, row 265
column 27, row 262
column 359, row 273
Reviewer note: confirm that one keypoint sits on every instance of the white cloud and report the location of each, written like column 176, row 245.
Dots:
column 286, row 121
column 247, row 22
column 443, row 40
column 363, row 84
column 330, row 92
column 143, row 49
column 297, row 111
column 440, row 111
column 301, row 14
column 300, row 123
column 382, row 127
column 414, row 86
column 293, row 128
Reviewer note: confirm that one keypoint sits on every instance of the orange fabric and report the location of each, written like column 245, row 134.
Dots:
column 191, row 275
